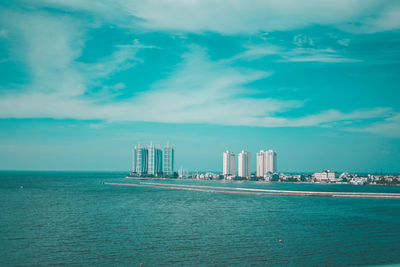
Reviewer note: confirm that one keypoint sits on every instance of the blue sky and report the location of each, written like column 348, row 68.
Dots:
column 83, row 81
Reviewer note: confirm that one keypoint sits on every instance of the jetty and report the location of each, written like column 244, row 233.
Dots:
column 255, row 191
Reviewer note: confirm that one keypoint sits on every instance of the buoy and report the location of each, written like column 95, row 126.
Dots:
column 141, row 265
column 22, row 187
column 280, row 240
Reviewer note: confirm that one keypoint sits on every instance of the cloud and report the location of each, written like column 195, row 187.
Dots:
column 389, row 127
column 204, row 91
column 386, row 18
column 253, row 52
column 198, row 91
column 124, row 57
column 316, row 55
column 297, row 54
column 302, row 40
column 332, row 115
column 238, row 17
column 50, row 44
column 137, row 44
column 344, row 42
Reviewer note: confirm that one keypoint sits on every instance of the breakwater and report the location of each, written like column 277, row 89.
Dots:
column 254, row 191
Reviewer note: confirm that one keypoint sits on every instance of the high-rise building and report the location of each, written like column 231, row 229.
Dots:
column 260, row 170
column 228, row 164
column 266, row 162
column 155, row 160
column 244, row 167
column 270, row 161
column 140, row 159
column 168, row 160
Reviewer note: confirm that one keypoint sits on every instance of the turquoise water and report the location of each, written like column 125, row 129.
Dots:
column 71, row 218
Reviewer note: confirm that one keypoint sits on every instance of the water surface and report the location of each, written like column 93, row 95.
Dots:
column 72, row 218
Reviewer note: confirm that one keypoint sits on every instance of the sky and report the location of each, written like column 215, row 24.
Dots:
column 82, row 82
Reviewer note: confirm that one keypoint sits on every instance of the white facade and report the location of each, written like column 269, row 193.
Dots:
column 266, row 162
column 244, row 166
column 326, row 176
column 228, row 163
column 270, row 161
column 260, row 170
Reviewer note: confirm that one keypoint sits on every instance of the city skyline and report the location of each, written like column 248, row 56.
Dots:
column 82, row 83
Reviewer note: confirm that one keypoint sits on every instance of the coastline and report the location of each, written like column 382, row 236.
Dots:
column 259, row 181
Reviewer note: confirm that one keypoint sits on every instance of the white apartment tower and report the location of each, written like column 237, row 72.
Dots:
column 228, row 163
column 270, row 161
column 266, row 162
column 260, row 170
column 244, row 166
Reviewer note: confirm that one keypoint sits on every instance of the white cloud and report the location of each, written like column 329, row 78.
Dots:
column 327, row 55
column 344, row 42
column 239, row 16
column 137, row 44
column 233, row 17
column 253, row 52
column 199, row 91
column 390, row 127
column 302, row 39
column 386, row 18
column 330, row 116
column 299, row 54
column 49, row 46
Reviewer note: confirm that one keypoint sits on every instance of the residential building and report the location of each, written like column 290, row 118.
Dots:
column 168, row 160
column 228, row 163
column 270, row 161
column 260, row 164
column 140, row 159
column 244, row 166
column 266, row 162
column 154, row 160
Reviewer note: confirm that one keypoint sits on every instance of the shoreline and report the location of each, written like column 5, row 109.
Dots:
column 260, row 181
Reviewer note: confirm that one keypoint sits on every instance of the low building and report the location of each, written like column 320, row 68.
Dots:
column 326, row 176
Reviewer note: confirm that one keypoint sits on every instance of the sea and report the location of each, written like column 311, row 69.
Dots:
column 74, row 219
